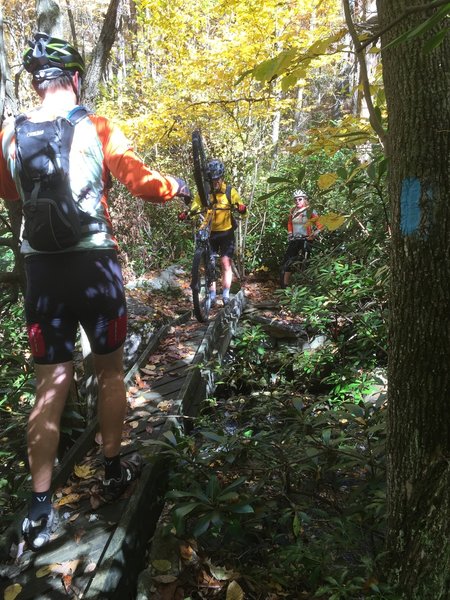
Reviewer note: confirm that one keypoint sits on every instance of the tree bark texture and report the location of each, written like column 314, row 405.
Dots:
column 8, row 99
column 100, row 56
column 417, row 85
column 49, row 18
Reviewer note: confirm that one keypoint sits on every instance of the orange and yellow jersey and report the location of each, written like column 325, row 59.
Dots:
column 99, row 150
column 222, row 218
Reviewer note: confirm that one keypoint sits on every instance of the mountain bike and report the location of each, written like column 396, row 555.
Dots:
column 204, row 263
column 297, row 262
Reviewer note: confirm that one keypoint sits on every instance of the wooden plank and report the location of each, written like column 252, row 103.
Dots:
column 115, row 543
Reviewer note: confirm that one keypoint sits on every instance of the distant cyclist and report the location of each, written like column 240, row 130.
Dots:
column 225, row 198
column 302, row 228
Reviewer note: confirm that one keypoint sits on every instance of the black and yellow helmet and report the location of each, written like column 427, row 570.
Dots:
column 49, row 57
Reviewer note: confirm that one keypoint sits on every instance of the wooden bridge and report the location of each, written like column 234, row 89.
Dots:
column 99, row 549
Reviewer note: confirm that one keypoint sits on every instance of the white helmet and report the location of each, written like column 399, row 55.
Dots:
column 300, row 194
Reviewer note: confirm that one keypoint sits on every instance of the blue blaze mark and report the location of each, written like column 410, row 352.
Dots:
column 410, row 206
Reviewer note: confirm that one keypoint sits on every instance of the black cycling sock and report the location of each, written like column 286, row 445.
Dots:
column 40, row 505
column 112, row 467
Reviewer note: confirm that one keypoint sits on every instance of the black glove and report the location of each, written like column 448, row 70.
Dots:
column 183, row 191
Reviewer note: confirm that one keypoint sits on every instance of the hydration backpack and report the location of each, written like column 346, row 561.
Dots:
column 53, row 219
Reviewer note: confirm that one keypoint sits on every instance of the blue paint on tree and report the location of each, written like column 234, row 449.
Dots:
column 410, row 206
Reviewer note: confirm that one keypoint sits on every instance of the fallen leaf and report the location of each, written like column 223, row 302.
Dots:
column 67, row 583
column 95, row 501
column 221, row 573
column 44, row 571
column 162, row 565
column 164, row 406
column 12, row 591
column 83, row 471
column 234, row 591
column 78, row 535
column 187, row 552
column 74, row 517
column 69, row 499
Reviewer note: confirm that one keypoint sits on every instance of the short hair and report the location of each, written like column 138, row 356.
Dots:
column 64, row 81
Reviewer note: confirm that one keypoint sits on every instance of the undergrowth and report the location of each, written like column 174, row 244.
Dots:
column 283, row 479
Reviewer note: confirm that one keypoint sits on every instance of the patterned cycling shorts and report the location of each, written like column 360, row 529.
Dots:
column 66, row 289
column 222, row 242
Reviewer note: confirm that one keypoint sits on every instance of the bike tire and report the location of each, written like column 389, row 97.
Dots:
column 201, row 297
column 200, row 168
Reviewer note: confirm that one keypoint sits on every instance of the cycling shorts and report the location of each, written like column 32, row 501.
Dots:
column 66, row 289
column 295, row 246
column 222, row 242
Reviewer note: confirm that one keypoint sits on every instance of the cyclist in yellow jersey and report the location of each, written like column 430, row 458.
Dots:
column 225, row 199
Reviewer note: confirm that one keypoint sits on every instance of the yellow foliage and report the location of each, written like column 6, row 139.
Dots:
column 326, row 180
column 331, row 221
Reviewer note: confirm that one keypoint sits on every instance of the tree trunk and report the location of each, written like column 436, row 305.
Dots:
column 49, row 18
column 100, row 56
column 8, row 99
column 417, row 94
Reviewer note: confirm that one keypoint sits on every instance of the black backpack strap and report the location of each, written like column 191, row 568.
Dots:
column 19, row 120
column 228, row 192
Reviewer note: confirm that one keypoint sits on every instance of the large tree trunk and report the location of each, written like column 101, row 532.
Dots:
column 100, row 56
column 49, row 18
column 8, row 99
column 417, row 93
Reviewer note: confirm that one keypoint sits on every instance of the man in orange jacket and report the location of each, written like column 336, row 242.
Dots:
column 78, row 284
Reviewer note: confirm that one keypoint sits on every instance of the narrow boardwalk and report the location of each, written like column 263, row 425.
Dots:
column 98, row 548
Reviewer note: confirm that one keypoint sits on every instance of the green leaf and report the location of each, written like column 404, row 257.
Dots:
column 210, row 435
column 274, row 67
column 201, row 526
column 235, row 484
column 170, row 437
column 291, row 78
column 241, row 509
column 326, row 436
column 296, row 525
column 436, row 40
column 213, row 487
column 185, row 509
column 228, row 497
column 278, row 180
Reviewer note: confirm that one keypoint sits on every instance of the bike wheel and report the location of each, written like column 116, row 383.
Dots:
column 201, row 175
column 200, row 285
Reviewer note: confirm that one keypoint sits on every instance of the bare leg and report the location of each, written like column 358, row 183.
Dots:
column 52, row 387
column 287, row 277
column 112, row 400
column 227, row 272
